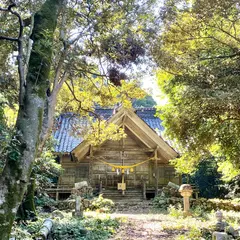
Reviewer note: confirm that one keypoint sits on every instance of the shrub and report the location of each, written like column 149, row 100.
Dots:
column 193, row 234
column 101, row 229
column 85, row 229
column 103, row 204
column 175, row 211
column 26, row 230
column 164, row 202
column 69, row 230
column 45, row 200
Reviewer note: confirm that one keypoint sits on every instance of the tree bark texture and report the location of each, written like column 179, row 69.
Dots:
column 22, row 151
column 51, row 101
column 27, row 208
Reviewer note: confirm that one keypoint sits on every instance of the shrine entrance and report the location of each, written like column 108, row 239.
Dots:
column 123, row 177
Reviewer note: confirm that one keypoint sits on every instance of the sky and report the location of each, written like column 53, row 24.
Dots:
column 151, row 87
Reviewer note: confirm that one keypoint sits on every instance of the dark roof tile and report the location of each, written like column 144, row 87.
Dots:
column 64, row 127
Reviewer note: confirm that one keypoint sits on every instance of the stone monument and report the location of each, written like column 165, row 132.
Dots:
column 223, row 231
column 79, row 189
column 186, row 191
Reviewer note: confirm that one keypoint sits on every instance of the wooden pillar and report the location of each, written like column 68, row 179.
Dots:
column 57, row 195
column 122, row 156
column 156, row 172
column 90, row 165
column 144, row 190
column 100, row 187
column 123, row 191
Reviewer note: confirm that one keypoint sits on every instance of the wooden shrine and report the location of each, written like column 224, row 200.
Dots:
column 139, row 161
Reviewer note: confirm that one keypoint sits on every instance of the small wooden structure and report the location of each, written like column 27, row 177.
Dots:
column 138, row 162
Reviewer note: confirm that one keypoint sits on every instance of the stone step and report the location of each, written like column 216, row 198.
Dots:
column 117, row 196
column 116, row 192
column 132, row 200
column 120, row 193
column 120, row 196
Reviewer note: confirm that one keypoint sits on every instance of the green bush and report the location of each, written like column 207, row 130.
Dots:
column 102, row 204
column 176, row 212
column 161, row 202
column 100, row 229
column 71, row 230
column 193, row 234
column 85, row 229
column 26, row 230
column 45, row 200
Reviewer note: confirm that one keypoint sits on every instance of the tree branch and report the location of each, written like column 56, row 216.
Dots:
column 19, row 40
column 221, row 56
column 9, row 38
column 80, row 102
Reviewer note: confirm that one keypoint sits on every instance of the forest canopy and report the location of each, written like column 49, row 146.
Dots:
column 198, row 54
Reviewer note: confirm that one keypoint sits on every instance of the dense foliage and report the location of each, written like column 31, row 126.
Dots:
column 87, row 228
column 46, row 169
column 98, row 229
column 198, row 56
column 208, row 180
column 147, row 101
column 7, row 121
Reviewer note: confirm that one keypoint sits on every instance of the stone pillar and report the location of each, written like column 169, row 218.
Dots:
column 45, row 229
column 78, row 210
column 220, row 236
column 186, row 191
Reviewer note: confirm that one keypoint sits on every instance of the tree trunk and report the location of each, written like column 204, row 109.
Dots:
column 22, row 150
column 27, row 207
column 48, row 120
column 51, row 101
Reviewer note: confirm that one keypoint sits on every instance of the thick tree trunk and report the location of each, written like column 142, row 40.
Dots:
column 27, row 209
column 15, row 176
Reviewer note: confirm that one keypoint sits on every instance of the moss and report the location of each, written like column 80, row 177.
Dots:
column 45, row 22
column 40, row 119
column 28, row 206
column 6, row 219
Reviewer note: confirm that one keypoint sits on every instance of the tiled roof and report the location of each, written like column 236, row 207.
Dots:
column 65, row 126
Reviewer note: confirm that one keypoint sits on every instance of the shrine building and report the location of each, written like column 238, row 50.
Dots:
column 135, row 167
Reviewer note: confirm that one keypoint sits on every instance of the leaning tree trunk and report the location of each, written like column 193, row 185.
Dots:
column 16, row 173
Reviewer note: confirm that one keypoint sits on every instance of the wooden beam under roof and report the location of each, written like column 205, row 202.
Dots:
column 147, row 150
column 137, row 134
column 146, row 139
column 152, row 134
column 135, row 138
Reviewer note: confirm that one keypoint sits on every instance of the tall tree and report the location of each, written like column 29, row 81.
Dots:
column 22, row 149
column 80, row 44
column 198, row 53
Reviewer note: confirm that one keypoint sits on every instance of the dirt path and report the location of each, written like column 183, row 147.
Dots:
column 142, row 227
column 141, row 222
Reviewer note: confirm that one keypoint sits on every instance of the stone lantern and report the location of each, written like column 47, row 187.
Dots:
column 186, row 191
